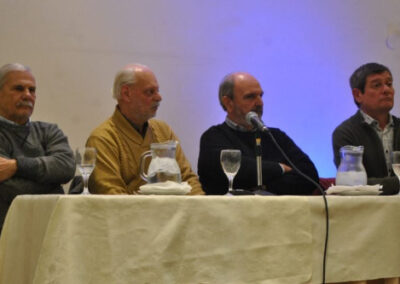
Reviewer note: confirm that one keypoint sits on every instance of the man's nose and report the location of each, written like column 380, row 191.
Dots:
column 387, row 89
column 158, row 97
column 28, row 94
column 259, row 101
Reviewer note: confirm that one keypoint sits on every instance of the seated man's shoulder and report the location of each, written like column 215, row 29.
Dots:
column 215, row 129
column 349, row 124
column 281, row 137
column 277, row 132
column 105, row 126
column 106, row 130
column 43, row 124
column 160, row 126
column 45, row 127
column 154, row 122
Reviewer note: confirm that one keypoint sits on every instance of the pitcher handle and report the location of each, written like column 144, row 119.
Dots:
column 143, row 158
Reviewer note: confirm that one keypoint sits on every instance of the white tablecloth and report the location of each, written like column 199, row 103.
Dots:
column 198, row 239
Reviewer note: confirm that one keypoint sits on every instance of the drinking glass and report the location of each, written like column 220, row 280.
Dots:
column 230, row 162
column 85, row 158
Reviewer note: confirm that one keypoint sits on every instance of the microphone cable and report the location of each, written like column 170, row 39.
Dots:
column 323, row 196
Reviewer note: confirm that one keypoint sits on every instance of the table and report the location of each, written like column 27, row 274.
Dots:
column 198, row 239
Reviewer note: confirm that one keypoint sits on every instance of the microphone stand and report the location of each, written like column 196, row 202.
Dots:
column 259, row 159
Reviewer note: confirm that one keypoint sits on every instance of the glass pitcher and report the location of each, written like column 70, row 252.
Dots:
column 351, row 170
column 163, row 165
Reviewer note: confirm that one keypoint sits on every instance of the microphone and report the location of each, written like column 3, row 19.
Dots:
column 253, row 119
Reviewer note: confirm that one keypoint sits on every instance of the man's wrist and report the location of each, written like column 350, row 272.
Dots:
column 14, row 166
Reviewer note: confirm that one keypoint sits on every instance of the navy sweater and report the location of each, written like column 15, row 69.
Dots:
column 222, row 136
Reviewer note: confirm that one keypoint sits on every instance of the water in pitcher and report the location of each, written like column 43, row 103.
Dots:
column 351, row 178
column 351, row 170
column 164, row 169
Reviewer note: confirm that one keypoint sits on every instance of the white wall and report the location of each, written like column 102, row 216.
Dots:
column 303, row 53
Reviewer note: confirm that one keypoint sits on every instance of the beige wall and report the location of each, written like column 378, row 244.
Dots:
column 302, row 51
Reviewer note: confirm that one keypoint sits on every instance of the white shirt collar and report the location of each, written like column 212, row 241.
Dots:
column 236, row 126
column 371, row 121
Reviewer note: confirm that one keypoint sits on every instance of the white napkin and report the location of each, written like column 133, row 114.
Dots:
column 166, row 188
column 355, row 189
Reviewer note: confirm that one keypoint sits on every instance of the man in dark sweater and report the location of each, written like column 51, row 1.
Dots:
column 240, row 93
column 35, row 157
column 372, row 126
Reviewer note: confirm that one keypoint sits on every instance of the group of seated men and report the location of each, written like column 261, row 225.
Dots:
column 35, row 157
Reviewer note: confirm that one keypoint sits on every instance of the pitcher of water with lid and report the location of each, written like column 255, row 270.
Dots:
column 163, row 166
column 351, row 170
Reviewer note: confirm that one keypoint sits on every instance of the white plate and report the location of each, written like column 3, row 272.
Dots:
column 354, row 190
column 357, row 192
column 163, row 192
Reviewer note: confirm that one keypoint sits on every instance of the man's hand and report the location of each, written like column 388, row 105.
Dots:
column 285, row 168
column 8, row 168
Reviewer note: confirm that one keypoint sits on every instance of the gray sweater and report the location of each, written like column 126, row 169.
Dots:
column 354, row 131
column 44, row 160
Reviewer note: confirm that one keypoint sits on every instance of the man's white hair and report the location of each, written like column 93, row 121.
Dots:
column 126, row 76
column 7, row 68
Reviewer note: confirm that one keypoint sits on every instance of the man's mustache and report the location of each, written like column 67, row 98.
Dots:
column 258, row 110
column 25, row 103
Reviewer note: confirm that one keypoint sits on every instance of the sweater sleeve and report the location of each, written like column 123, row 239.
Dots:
column 292, row 182
column 56, row 166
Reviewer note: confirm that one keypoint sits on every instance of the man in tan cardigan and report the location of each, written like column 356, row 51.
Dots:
column 122, row 138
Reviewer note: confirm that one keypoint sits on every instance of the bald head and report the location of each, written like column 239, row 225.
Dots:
column 128, row 76
column 137, row 92
column 227, row 86
column 240, row 93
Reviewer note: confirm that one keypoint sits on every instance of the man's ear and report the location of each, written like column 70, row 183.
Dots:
column 125, row 95
column 228, row 103
column 357, row 95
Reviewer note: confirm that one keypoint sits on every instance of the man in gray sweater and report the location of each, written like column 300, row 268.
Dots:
column 35, row 157
column 372, row 126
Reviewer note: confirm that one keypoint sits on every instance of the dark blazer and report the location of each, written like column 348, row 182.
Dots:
column 355, row 131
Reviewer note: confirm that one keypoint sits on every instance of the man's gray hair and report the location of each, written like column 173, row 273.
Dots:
column 7, row 68
column 226, row 88
column 126, row 76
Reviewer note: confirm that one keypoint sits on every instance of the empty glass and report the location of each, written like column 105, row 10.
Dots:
column 85, row 158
